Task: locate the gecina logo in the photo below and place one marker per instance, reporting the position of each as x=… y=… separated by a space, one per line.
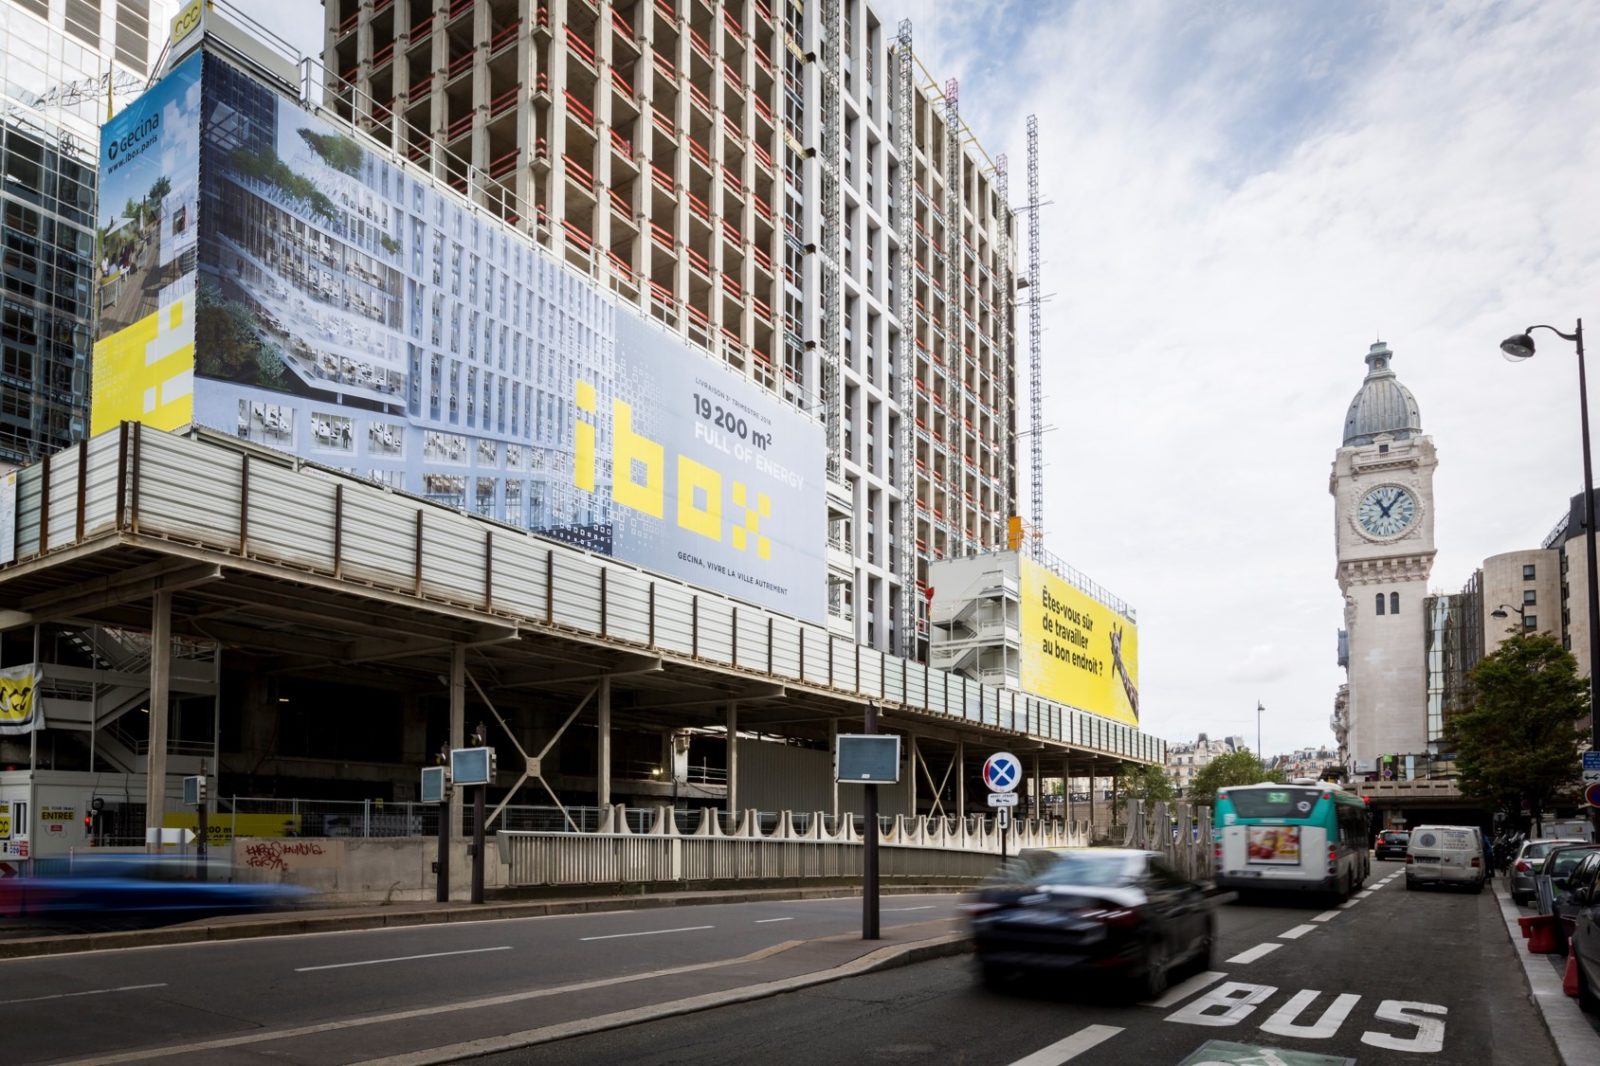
x=695 y=479
x=150 y=125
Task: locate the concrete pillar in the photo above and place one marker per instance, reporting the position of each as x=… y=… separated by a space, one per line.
x=1092 y=798
x=961 y=778
x=833 y=778
x=1038 y=789
x=732 y=805
x=602 y=770
x=458 y=722
x=413 y=731
x=914 y=764
x=155 y=781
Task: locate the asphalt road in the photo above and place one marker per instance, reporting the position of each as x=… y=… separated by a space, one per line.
x=1393 y=977
x=230 y=1001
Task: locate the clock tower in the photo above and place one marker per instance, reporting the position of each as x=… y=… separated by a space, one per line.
x=1382 y=486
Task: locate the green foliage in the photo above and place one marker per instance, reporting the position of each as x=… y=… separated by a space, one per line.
x=340 y=153
x=227 y=344
x=267 y=167
x=1516 y=736
x=1235 y=768
x=159 y=190
x=390 y=245
x=1146 y=783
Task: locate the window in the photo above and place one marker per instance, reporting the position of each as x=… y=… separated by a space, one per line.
x=1380 y=603
x=1530 y=622
x=1530 y=596
x=1394 y=603
x=1528 y=572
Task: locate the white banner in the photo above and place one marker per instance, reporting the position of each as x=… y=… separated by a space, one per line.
x=8 y=517
x=19 y=703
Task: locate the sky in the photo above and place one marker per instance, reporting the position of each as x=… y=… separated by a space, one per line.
x=1241 y=198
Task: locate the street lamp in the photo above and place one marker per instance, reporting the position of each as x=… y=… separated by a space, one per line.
x=1516 y=349
x=1503 y=611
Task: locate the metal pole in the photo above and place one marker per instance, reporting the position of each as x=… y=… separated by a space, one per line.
x=441 y=892
x=202 y=850
x=1594 y=578
x=869 y=855
x=480 y=795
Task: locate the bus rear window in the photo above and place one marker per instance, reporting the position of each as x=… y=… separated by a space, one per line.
x=1273 y=802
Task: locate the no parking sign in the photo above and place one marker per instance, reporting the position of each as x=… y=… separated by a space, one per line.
x=1002 y=772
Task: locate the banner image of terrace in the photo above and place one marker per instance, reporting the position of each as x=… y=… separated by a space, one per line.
x=146 y=238
x=351 y=312
x=1075 y=649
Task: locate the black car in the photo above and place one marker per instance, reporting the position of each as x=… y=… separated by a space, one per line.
x=1566 y=868
x=1092 y=912
x=1392 y=844
x=1582 y=902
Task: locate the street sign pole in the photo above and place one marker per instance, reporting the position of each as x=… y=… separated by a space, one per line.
x=869 y=855
x=202 y=850
x=478 y=814
x=441 y=891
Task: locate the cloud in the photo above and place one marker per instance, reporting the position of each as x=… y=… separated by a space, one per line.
x=1243 y=197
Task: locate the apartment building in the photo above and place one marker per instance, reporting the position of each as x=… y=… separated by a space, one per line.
x=1185 y=758
x=67 y=62
x=782 y=186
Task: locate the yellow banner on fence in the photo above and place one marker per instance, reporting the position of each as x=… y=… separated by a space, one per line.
x=222 y=828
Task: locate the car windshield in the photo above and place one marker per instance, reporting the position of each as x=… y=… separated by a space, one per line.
x=1397 y=838
x=1544 y=847
x=1564 y=861
x=1074 y=868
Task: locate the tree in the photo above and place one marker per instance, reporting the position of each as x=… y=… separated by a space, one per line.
x=1516 y=735
x=1235 y=768
x=1148 y=784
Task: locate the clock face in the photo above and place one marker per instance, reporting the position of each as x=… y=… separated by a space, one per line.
x=1386 y=511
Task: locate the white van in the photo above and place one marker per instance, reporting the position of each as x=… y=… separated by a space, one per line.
x=1446 y=855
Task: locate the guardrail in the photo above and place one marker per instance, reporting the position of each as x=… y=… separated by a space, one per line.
x=959 y=848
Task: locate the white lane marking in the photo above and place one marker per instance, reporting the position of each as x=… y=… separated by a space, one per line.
x=399 y=958
x=1347 y=904
x=90 y=992
x=1364 y=894
x=929 y=907
x=1326 y=916
x=1297 y=932
x=1182 y=991
x=649 y=932
x=1252 y=954
x=1071 y=1047
x=763 y=921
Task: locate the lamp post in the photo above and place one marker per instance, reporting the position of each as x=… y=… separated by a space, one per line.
x=1259 y=757
x=1516 y=349
x=1504 y=611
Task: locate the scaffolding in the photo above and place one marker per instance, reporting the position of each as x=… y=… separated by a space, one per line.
x=1035 y=345
x=830 y=47
x=954 y=290
x=905 y=357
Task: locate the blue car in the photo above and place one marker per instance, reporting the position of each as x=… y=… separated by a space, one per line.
x=140 y=884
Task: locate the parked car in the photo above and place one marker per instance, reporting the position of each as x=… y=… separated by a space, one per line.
x=1583 y=888
x=1391 y=844
x=1570 y=869
x=1446 y=855
x=1530 y=861
x=1090 y=912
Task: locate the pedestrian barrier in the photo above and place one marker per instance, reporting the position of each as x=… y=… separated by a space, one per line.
x=1180 y=831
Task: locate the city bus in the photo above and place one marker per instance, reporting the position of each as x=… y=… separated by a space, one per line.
x=1303 y=836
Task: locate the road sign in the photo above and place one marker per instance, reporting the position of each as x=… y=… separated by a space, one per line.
x=1591 y=795
x=1591 y=767
x=1002 y=772
x=194 y=791
x=867 y=759
x=434 y=785
x=1002 y=820
x=1002 y=799
x=470 y=766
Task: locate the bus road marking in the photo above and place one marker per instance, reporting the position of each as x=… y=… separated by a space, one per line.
x=1252 y=954
x=1326 y=916
x=1182 y=991
x=1297 y=932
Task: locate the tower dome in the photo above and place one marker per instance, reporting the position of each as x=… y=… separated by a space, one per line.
x=1382 y=405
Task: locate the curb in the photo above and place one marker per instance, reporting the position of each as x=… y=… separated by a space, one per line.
x=1574 y=1038
x=286 y=925
x=885 y=958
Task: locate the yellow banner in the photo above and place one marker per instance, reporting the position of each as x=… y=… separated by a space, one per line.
x=145 y=372
x=5 y=820
x=222 y=828
x=18 y=707
x=1076 y=650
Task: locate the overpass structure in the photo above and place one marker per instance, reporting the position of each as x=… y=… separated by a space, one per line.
x=249 y=568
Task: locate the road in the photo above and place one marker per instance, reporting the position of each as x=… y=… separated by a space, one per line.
x=1393 y=977
x=343 y=997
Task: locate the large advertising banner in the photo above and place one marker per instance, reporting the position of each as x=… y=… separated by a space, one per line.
x=344 y=308
x=145 y=236
x=1075 y=649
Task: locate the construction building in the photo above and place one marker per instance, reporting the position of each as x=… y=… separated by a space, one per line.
x=62 y=59
x=783 y=186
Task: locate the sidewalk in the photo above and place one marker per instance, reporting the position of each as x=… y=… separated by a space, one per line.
x=318 y=919
x=1575 y=1033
